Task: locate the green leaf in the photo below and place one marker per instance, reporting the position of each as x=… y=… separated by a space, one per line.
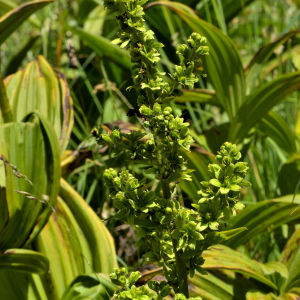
x=103 y=47
x=260 y=102
x=29 y=146
x=23 y=260
x=274 y=266
x=275 y=127
x=255 y=66
x=88 y=287
x=222 y=257
x=214 y=238
x=40 y=87
x=261 y=216
x=90 y=238
x=290 y=257
x=199 y=96
x=16 y=285
x=255 y=295
x=13 y=19
x=212 y=287
x=231 y=8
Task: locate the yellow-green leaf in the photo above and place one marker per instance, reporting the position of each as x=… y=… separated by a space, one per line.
x=33 y=148
x=40 y=87
x=13 y=19
x=23 y=260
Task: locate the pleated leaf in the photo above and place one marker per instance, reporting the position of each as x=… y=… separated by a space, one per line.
x=23 y=260
x=275 y=127
x=18 y=285
x=199 y=96
x=260 y=102
x=261 y=216
x=78 y=231
x=13 y=19
x=40 y=87
x=222 y=257
x=88 y=287
x=33 y=148
x=256 y=295
x=290 y=257
x=264 y=53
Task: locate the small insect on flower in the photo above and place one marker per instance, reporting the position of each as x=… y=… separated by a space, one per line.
x=134 y=112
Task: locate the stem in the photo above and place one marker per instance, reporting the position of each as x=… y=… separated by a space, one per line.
x=166 y=189
x=181 y=271
x=180 y=261
x=4 y=103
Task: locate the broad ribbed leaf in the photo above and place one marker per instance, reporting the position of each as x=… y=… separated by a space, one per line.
x=199 y=96
x=13 y=19
x=87 y=235
x=277 y=129
x=33 y=149
x=103 y=47
x=223 y=65
x=272 y=267
x=290 y=257
x=17 y=285
x=260 y=102
x=88 y=287
x=255 y=295
x=23 y=260
x=210 y=287
x=40 y=87
x=265 y=214
x=222 y=257
x=253 y=69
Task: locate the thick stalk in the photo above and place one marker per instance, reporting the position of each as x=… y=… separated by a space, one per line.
x=182 y=274
x=180 y=261
x=4 y=103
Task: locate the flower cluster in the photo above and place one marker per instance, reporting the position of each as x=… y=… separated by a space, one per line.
x=160 y=290
x=160 y=222
x=170 y=132
x=223 y=190
x=175 y=236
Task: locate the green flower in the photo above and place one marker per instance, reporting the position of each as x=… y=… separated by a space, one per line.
x=210 y=213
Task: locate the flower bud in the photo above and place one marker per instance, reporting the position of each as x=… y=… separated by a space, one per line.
x=156 y=109
x=184 y=50
x=116 y=135
x=146 y=111
x=167 y=111
x=123 y=271
x=110 y=174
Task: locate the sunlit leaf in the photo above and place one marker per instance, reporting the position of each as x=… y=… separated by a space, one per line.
x=13 y=19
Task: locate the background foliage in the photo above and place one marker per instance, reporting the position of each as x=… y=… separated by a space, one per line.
x=63 y=77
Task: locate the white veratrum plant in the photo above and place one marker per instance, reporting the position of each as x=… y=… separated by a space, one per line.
x=176 y=237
